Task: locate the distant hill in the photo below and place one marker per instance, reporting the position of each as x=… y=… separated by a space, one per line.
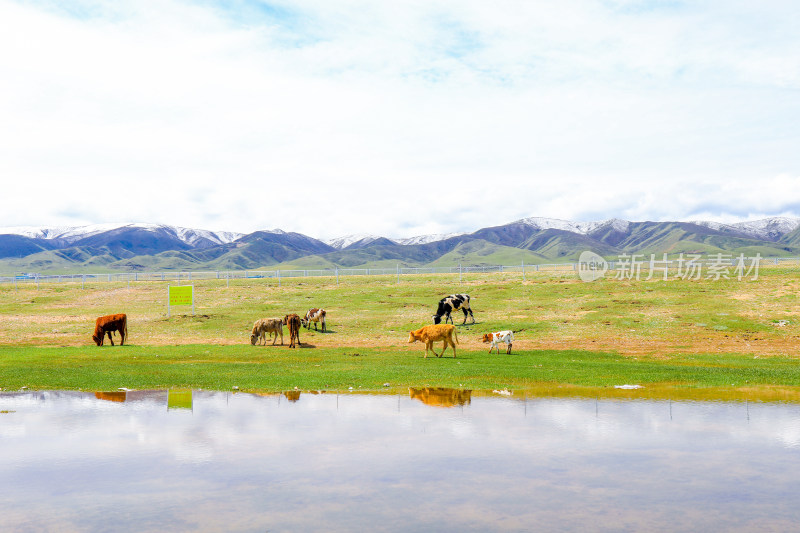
x=153 y=247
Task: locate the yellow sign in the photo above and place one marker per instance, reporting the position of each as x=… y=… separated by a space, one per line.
x=181 y=295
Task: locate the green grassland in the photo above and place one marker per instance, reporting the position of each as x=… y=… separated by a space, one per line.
x=718 y=338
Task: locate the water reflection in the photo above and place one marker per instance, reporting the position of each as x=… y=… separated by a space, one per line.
x=292 y=395
x=75 y=461
x=441 y=397
x=111 y=396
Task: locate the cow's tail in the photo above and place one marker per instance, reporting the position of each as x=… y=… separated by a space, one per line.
x=455 y=334
x=125 y=325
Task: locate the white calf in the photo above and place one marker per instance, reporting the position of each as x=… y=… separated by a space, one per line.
x=506 y=336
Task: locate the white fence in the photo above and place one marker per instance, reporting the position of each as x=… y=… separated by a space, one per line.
x=278 y=275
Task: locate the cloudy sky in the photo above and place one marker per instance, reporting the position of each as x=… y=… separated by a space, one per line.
x=334 y=117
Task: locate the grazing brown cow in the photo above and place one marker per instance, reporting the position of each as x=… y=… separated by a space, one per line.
x=109 y=324
x=264 y=326
x=293 y=321
x=433 y=333
x=314 y=315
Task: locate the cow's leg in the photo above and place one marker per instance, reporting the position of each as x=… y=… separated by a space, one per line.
x=121 y=337
x=323 y=326
x=466 y=314
x=429 y=346
x=110 y=337
x=509 y=348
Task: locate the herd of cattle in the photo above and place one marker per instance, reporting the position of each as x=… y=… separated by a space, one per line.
x=265 y=329
x=274 y=326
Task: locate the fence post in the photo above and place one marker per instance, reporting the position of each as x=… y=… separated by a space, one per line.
x=523 y=270
x=459 y=272
x=337 y=275
x=279 y=278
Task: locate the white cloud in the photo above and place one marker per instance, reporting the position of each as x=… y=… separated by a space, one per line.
x=339 y=117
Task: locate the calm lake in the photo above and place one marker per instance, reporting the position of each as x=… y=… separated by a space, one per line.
x=425 y=460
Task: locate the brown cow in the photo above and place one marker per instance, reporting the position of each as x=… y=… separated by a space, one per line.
x=293 y=321
x=109 y=324
x=433 y=333
x=264 y=326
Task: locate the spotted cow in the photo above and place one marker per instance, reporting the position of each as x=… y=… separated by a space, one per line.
x=451 y=303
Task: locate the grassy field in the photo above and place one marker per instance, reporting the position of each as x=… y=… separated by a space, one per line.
x=726 y=338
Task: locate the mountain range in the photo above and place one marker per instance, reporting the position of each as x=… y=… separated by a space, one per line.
x=154 y=247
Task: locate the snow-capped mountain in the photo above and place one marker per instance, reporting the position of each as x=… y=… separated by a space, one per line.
x=768 y=228
x=70 y=234
x=425 y=239
x=121 y=244
x=364 y=239
x=583 y=228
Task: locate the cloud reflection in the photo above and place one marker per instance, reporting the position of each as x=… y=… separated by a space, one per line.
x=385 y=462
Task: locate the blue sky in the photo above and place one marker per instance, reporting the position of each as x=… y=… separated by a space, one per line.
x=397 y=118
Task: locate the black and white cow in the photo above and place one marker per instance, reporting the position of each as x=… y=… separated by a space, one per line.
x=451 y=303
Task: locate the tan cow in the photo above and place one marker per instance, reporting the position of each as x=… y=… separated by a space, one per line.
x=105 y=325
x=262 y=326
x=433 y=333
x=293 y=321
